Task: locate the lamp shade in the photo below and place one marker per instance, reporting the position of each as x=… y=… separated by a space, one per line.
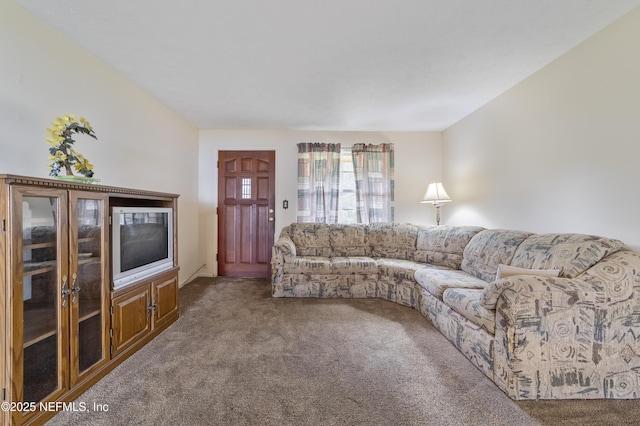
x=435 y=194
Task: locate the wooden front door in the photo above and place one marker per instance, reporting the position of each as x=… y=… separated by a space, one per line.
x=246 y=218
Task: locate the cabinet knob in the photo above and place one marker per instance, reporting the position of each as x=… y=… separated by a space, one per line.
x=75 y=288
x=65 y=291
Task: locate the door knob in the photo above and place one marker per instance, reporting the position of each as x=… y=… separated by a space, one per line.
x=271 y=219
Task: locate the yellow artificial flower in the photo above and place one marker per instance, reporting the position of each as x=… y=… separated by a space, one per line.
x=83 y=164
x=61 y=141
x=57 y=128
x=85 y=123
x=55 y=140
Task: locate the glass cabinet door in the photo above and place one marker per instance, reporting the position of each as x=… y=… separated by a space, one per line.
x=39 y=304
x=88 y=274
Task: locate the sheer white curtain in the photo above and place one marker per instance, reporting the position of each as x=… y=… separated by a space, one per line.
x=318 y=182
x=373 y=171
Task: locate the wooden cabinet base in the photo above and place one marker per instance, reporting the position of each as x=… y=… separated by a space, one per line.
x=141 y=308
x=131 y=332
x=41 y=417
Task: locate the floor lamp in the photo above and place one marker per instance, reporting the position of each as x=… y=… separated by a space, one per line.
x=436 y=195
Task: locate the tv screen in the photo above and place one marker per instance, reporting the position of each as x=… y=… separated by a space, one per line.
x=142 y=240
x=143 y=243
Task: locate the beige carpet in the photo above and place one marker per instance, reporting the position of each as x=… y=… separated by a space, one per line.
x=239 y=357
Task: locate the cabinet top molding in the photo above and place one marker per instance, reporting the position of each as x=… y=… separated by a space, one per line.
x=55 y=183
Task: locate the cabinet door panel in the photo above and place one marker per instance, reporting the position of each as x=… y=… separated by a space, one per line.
x=89 y=274
x=165 y=296
x=39 y=263
x=131 y=318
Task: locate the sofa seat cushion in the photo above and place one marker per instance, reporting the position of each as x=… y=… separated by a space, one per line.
x=466 y=302
x=399 y=268
x=436 y=281
x=349 y=240
x=308 y=264
x=572 y=254
x=489 y=248
x=311 y=239
x=393 y=240
x=443 y=245
x=354 y=265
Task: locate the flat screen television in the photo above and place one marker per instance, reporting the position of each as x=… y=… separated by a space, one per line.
x=141 y=241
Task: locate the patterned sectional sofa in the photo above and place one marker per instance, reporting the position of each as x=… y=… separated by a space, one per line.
x=572 y=336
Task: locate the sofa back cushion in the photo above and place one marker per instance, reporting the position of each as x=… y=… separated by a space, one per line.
x=349 y=240
x=488 y=249
x=443 y=245
x=285 y=232
x=311 y=239
x=393 y=240
x=572 y=254
x=618 y=275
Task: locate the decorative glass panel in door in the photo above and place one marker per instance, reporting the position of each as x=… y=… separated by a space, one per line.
x=39 y=295
x=88 y=275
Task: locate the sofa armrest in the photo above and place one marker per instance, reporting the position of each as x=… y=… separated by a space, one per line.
x=283 y=250
x=565 y=308
x=561 y=337
x=569 y=290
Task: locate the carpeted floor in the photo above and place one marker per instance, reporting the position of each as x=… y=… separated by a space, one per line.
x=239 y=357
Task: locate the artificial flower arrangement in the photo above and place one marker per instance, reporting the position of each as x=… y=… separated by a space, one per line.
x=61 y=152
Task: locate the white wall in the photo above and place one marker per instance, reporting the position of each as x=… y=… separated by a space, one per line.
x=141 y=143
x=418 y=161
x=559 y=152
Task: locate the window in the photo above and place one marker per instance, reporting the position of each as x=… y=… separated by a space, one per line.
x=345 y=185
x=246 y=188
x=347 y=201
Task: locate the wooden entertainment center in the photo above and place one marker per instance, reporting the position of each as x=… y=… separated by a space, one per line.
x=62 y=325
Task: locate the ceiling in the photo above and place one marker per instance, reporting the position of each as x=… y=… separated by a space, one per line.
x=365 y=65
